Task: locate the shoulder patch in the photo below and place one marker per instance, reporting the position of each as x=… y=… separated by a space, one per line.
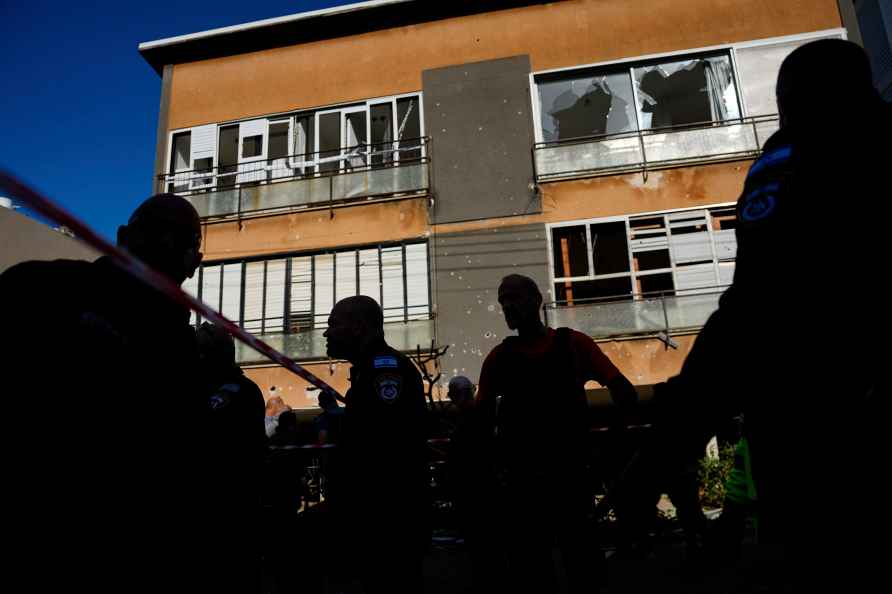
x=388 y=386
x=386 y=362
x=759 y=203
x=223 y=396
x=771 y=159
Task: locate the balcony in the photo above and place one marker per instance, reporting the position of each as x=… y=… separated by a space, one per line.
x=647 y=150
x=643 y=315
x=307 y=180
x=310 y=344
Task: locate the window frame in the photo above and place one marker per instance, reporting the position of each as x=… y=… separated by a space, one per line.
x=313 y=113
x=692 y=53
x=314 y=314
x=632 y=274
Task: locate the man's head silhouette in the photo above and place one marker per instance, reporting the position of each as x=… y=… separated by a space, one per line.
x=520 y=299
x=165 y=233
x=828 y=76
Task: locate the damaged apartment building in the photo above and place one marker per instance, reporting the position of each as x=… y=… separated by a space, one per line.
x=417 y=152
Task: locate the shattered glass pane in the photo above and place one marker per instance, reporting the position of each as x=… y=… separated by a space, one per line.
x=586 y=105
x=382 y=133
x=408 y=132
x=686 y=92
x=569 y=250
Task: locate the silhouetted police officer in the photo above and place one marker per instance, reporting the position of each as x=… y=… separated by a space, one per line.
x=379 y=489
x=115 y=501
x=794 y=343
x=235 y=441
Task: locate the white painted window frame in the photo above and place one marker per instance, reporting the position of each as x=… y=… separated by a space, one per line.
x=632 y=274
x=313 y=112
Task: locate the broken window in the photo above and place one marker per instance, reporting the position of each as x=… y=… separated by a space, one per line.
x=686 y=92
x=382 y=133
x=408 y=132
x=682 y=250
x=654 y=283
x=304 y=139
x=586 y=105
x=597 y=101
x=569 y=251
x=610 y=249
x=602 y=290
x=356 y=139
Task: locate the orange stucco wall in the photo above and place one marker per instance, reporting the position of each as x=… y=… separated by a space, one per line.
x=625 y=194
x=318 y=229
x=554 y=35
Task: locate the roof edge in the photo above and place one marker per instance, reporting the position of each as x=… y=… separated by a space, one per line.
x=322 y=12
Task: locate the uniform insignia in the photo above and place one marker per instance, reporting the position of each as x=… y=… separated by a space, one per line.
x=388 y=386
x=385 y=362
x=770 y=159
x=759 y=203
x=221 y=398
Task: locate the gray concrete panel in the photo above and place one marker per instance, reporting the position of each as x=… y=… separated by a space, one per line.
x=479 y=119
x=26 y=239
x=468 y=269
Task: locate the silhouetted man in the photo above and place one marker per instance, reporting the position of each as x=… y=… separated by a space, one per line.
x=236 y=443
x=543 y=423
x=794 y=343
x=114 y=504
x=379 y=490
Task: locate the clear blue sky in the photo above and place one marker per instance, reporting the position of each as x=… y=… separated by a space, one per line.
x=80 y=105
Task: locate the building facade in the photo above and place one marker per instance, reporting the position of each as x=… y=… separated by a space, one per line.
x=417 y=153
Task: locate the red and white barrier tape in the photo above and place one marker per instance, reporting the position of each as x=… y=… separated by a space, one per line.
x=15 y=189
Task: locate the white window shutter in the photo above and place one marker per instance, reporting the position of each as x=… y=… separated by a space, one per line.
x=392 y=278
x=417 y=281
x=345 y=271
x=252 y=169
x=275 y=296
x=253 y=296
x=204 y=142
x=232 y=292
x=324 y=290
x=369 y=282
x=204 y=146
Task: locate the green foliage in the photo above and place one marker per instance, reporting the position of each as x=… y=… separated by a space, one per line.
x=713 y=475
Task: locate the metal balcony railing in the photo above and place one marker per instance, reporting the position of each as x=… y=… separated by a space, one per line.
x=647 y=314
x=310 y=344
x=657 y=148
x=311 y=179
